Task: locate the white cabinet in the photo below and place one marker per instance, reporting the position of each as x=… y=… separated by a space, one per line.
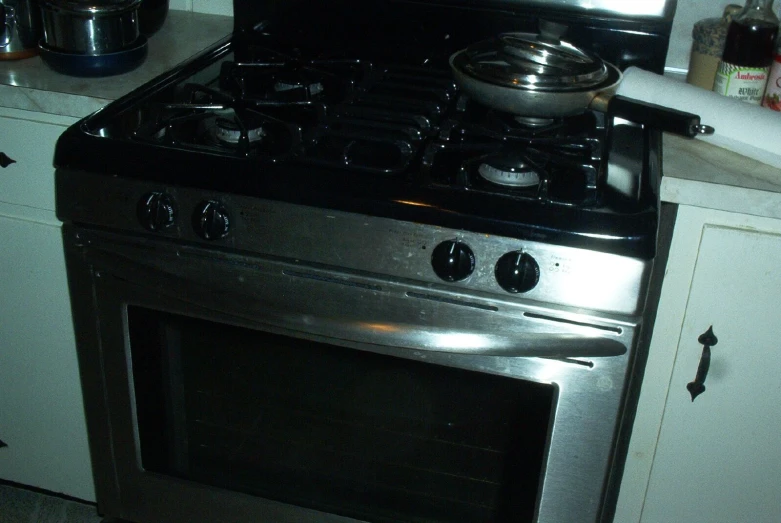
x=28 y=139
x=716 y=459
x=41 y=411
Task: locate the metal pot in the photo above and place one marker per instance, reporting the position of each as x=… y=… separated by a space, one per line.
x=540 y=77
x=20 y=29
x=95 y=27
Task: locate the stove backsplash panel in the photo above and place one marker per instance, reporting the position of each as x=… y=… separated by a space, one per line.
x=431 y=31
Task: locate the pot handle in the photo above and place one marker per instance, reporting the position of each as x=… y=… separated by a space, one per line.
x=657 y=116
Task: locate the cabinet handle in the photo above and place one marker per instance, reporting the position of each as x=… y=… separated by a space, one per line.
x=708 y=340
x=5 y=161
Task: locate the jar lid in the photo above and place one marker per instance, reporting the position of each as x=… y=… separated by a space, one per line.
x=93 y=7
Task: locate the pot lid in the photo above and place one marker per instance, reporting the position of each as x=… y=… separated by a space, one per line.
x=531 y=61
x=93 y=7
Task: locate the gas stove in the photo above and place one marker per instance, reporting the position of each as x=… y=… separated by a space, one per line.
x=370 y=122
x=315 y=281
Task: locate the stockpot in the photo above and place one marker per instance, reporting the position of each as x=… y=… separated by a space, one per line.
x=96 y=27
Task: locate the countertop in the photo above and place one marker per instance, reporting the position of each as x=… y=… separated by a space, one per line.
x=703 y=175
x=30 y=85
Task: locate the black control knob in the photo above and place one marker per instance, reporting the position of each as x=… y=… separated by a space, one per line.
x=211 y=220
x=453 y=260
x=156 y=211
x=517 y=272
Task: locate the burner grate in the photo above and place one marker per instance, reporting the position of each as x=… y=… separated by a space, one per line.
x=212 y=121
x=353 y=116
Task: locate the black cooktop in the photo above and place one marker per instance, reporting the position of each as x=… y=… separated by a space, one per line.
x=372 y=122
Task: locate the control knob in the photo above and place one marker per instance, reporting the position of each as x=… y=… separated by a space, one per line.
x=155 y=211
x=453 y=260
x=211 y=220
x=517 y=272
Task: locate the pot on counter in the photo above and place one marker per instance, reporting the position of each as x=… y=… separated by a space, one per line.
x=20 y=29
x=539 y=77
x=97 y=27
x=93 y=37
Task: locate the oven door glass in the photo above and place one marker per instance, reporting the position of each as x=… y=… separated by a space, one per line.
x=341 y=430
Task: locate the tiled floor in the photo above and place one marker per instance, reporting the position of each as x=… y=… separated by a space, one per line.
x=24 y=506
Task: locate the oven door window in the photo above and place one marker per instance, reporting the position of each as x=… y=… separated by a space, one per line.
x=341 y=430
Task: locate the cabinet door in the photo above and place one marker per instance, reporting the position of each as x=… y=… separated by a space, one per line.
x=718 y=458
x=41 y=412
x=28 y=139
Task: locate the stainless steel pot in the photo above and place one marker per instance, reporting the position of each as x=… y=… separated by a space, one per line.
x=20 y=29
x=525 y=75
x=93 y=27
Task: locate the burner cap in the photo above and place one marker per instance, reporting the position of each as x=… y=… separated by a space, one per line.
x=300 y=85
x=228 y=132
x=509 y=171
x=533 y=122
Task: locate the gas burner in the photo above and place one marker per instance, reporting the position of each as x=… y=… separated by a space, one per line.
x=228 y=131
x=533 y=122
x=299 y=89
x=238 y=131
x=509 y=170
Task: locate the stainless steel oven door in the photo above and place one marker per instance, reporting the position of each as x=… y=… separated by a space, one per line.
x=229 y=387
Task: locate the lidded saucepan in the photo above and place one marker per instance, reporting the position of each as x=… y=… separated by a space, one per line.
x=541 y=76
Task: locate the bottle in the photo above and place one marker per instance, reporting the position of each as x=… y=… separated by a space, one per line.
x=708 y=37
x=748 y=52
x=772 y=98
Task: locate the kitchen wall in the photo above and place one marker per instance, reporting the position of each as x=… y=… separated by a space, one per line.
x=214 y=7
x=689 y=12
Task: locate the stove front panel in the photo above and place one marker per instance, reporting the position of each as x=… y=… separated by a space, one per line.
x=233 y=387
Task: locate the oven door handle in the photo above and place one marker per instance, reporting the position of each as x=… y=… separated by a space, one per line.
x=516 y=345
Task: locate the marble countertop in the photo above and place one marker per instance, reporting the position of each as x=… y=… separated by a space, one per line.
x=31 y=85
x=704 y=175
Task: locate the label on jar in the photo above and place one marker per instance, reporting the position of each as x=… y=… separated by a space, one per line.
x=744 y=83
x=772 y=98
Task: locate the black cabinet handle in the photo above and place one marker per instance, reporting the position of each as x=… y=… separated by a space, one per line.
x=707 y=339
x=5 y=161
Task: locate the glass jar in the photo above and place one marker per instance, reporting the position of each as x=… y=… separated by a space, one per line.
x=748 y=52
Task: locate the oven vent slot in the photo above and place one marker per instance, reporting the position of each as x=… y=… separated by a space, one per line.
x=432 y=297
x=328 y=279
x=616 y=330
